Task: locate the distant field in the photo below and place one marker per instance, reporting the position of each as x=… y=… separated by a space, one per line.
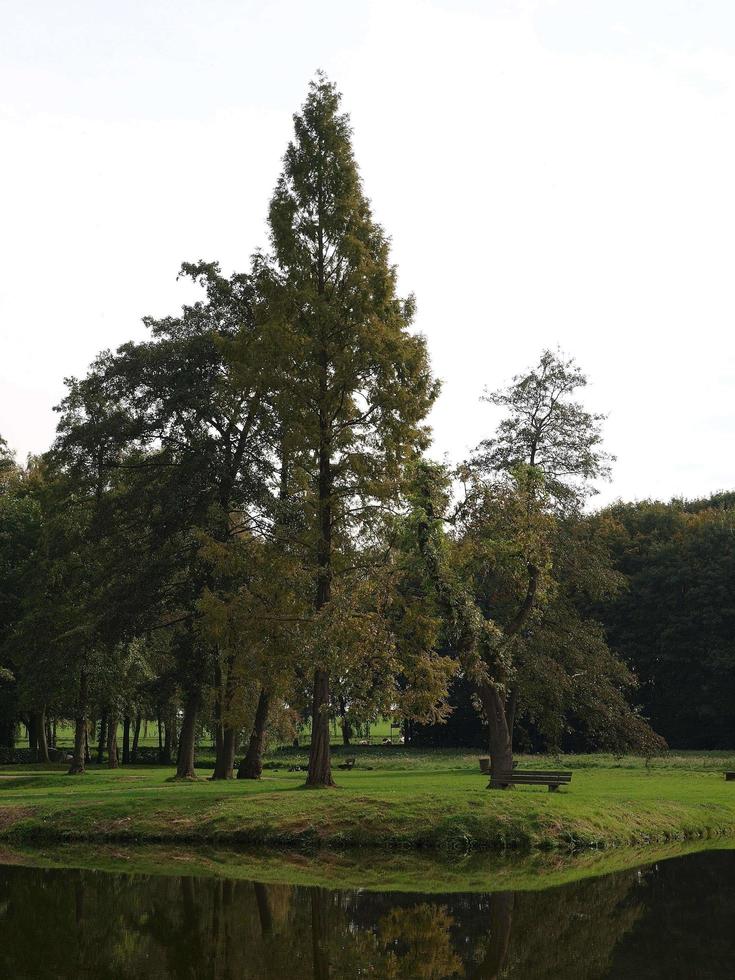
x=149 y=735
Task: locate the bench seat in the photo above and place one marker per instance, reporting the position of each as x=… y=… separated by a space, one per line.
x=553 y=778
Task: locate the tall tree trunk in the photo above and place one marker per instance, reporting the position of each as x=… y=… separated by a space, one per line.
x=185 y=765
x=103 y=735
x=320 y=763
x=112 y=759
x=53 y=733
x=501 y=747
x=126 y=741
x=40 y=726
x=80 y=730
x=87 y=753
x=320 y=767
x=220 y=763
x=136 y=738
x=251 y=766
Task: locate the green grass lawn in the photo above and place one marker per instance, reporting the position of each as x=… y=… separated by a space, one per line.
x=409 y=798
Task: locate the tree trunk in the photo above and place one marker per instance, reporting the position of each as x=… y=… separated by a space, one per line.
x=320 y=766
x=40 y=726
x=185 y=765
x=320 y=769
x=344 y=722
x=160 y=735
x=166 y=756
x=251 y=766
x=80 y=730
x=126 y=741
x=136 y=738
x=501 y=747
x=112 y=759
x=87 y=753
x=320 y=932
x=264 y=909
x=496 y=950
x=103 y=733
x=220 y=762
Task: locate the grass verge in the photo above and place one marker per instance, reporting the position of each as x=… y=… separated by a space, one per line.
x=406 y=800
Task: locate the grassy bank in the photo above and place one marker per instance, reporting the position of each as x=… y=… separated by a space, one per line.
x=439 y=872
x=406 y=800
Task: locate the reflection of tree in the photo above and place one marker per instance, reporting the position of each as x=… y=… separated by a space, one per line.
x=570 y=931
x=500 y=925
x=80 y=923
x=419 y=944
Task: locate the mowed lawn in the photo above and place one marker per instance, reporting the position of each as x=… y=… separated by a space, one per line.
x=407 y=799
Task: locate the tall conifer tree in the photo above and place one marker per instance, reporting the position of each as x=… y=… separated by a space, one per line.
x=358 y=384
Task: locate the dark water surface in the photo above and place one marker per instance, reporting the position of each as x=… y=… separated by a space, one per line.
x=674 y=919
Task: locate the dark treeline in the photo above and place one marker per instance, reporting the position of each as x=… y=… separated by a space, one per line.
x=675 y=620
x=238 y=529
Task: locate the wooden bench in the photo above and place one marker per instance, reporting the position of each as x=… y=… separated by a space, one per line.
x=552 y=778
x=730 y=776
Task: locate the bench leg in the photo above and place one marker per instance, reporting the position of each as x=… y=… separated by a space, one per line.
x=553 y=787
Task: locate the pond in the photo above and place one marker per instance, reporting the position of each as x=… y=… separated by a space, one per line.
x=674 y=918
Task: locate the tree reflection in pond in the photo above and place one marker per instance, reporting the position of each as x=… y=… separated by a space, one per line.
x=631 y=924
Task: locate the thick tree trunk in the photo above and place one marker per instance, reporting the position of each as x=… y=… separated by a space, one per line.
x=112 y=759
x=185 y=765
x=126 y=741
x=320 y=764
x=102 y=738
x=501 y=746
x=224 y=763
x=251 y=766
x=87 y=753
x=80 y=730
x=136 y=738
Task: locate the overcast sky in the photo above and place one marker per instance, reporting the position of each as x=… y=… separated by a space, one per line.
x=551 y=174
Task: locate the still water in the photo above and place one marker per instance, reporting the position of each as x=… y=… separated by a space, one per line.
x=673 y=919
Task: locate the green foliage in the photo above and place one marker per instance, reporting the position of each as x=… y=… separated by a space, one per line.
x=675 y=621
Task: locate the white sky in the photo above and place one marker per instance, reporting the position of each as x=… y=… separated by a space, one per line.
x=551 y=173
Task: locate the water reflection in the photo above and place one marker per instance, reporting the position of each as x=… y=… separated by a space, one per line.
x=673 y=920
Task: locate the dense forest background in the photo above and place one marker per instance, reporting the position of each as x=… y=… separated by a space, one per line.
x=673 y=623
